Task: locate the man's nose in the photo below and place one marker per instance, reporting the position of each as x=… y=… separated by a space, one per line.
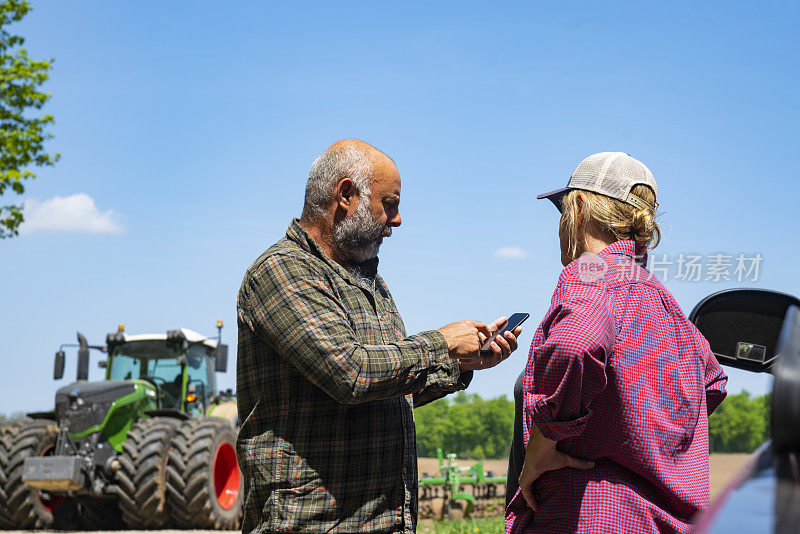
x=395 y=220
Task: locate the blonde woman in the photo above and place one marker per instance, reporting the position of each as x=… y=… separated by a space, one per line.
x=619 y=384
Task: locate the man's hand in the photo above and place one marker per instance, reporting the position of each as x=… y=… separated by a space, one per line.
x=542 y=456
x=464 y=338
x=501 y=347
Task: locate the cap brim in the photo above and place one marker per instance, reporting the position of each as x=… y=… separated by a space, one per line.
x=555 y=196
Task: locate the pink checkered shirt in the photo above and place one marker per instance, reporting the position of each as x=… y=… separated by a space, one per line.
x=618 y=375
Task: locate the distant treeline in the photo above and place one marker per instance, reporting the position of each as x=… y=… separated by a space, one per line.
x=466 y=425
x=739 y=424
x=476 y=428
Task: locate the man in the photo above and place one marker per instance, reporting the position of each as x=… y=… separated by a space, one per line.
x=327 y=377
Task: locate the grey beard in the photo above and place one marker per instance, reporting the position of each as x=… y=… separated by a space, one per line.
x=357 y=238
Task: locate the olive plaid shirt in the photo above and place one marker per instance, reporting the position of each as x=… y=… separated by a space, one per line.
x=326 y=383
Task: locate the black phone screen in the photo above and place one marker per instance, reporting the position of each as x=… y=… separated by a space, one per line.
x=513 y=322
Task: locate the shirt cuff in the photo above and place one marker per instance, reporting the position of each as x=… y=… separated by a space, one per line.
x=438 y=357
x=435 y=345
x=542 y=417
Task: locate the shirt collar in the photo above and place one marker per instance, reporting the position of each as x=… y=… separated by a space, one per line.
x=628 y=248
x=298 y=235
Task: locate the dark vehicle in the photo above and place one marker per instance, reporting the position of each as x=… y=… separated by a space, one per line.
x=759 y=331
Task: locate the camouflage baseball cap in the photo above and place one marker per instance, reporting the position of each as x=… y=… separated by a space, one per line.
x=612 y=174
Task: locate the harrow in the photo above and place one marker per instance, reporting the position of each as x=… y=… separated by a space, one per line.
x=460 y=491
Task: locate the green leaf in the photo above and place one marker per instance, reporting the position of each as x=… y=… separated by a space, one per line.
x=22 y=133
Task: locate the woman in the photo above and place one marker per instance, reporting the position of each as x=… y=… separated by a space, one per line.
x=619 y=384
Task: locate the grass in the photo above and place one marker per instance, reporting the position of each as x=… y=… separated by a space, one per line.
x=481 y=525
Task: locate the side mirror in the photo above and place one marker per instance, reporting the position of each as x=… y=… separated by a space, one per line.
x=221 y=358
x=83 y=358
x=743 y=326
x=58 y=368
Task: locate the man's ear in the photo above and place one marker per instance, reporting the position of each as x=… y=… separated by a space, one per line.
x=344 y=193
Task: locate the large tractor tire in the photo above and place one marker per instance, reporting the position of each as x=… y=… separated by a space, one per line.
x=205 y=488
x=28 y=507
x=5 y=450
x=142 y=476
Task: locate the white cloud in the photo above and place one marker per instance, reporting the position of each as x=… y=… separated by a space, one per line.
x=510 y=253
x=74 y=213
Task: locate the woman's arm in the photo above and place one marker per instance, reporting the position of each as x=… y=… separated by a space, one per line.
x=566 y=370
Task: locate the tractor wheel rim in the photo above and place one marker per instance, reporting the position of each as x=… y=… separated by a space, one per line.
x=226 y=476
x=50 y=501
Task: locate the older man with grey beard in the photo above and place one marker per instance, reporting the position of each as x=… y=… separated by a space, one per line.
x=327 y=376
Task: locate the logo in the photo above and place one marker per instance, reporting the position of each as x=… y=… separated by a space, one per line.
x=591 y=267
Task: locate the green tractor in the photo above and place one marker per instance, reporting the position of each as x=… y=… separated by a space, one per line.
x=152 y=446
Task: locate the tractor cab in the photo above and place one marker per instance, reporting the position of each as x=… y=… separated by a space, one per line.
x=180 y=365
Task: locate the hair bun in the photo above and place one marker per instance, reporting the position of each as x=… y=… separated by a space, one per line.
x=643 y=225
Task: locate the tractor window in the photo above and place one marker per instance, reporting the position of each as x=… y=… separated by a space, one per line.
x=130 y=360
x=153 y=361
x=167 y=369
x=125 y=367
x=168 y=375
x=200 y=377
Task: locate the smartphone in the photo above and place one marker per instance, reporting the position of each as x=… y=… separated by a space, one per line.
x=512 y=322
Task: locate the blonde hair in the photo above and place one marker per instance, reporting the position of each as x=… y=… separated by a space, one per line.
x=612 y=218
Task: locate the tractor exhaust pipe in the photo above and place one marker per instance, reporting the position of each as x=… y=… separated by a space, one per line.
x=83 y=358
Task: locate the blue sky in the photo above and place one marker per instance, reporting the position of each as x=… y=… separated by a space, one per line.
x=187 y=129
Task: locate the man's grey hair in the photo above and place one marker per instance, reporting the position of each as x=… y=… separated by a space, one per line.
x=331 y=168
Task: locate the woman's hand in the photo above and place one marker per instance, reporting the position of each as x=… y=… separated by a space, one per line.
x=542 y=456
